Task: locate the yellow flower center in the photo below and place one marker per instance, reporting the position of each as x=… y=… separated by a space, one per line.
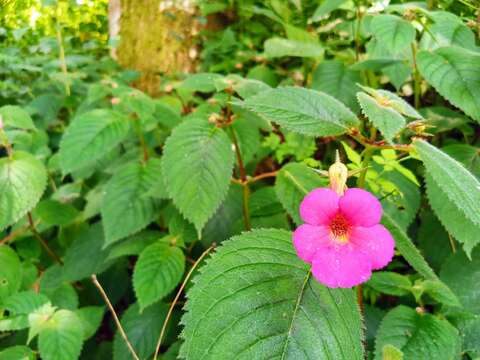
x=339 y=228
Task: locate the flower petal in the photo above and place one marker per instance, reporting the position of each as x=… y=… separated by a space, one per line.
x=374 y=241
x=307 y=239
x=341 y=266
x=360 y=207
x=319 y=206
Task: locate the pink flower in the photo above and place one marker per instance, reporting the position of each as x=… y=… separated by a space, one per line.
x=342 y=237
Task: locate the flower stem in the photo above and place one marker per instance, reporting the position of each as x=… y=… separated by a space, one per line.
x=416 y=77
x=175 y=300
x=366 y=160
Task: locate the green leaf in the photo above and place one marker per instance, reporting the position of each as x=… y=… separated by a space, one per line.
x=325 y=8
x=302 y=110
x=256 y=299
x=55 y=213
x=390 y=352
x=392 y=32
x=90 y=136
x=440 y=292
x=458 y=186
x=90 y=318
x=158 y=271
x=278 y=47
x=455 y=73
x=202 y=82
x=462 y=276
x=10 y=272
x=15 y=117
x=452 y=218
x=17 y=353
x=25 y=302
x=418 y=336
x=293 y=182
x=22 y=179
x=197 y=165
x=62 y=337
x=127 y=208
x=390 y=283
x=468 y=155
x=335 y=79
x=142 y=330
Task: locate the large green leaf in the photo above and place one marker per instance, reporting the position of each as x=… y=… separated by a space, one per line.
x=468 y=155
x=334 y=78
x=278 y=47
x=18 y=352
x=392 y=32
x=142 y=330
x=256 y=299
x=22 y=181
x=456 y=183
x=418 y=336
x=302 y=110
x=293 y=182
x=197 y=167
x=15 y=117
x=463 y=276
x=158 y=271
x=127 y=207
x=10 y=272
x=90 y=136
x=455 y=73
x=61 y=338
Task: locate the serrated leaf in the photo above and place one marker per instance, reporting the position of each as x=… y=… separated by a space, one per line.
x=134 y=244
x=458 y=185
x=468 y=155
x=22 y=179
x=197 y=166
x=127 y=208
x=384 y=118
x=335 y=79
x=90 y=318
x=455 y=73
x=278 y=47
x=392 y=32
x=294 y=181
x=452 y=218
x=62 y=337
x=418 y=336
x=305 y=111
x=55 y=213
x=256 y=299
x=10 y=272
x=390 y=283
x=90 y=136
x=158 y=271
x=25 y=302
x=142 y=330
x=462 y=276
x=440 y=292
x=15 y=117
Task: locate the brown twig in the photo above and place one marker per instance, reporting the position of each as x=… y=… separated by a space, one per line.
x=355 y=134
x=41 y=240
x=175 y=300
x=114 y=314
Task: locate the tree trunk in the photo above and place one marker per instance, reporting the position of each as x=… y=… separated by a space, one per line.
x=156 y=37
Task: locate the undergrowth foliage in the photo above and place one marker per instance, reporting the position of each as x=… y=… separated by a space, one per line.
x=135 y=227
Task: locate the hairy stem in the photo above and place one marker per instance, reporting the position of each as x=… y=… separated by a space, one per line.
x=175 y=300
x=114 y=314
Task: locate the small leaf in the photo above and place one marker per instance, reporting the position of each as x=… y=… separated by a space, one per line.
x=90 y=136
x=256 y=299
x=17 y=353
x=278 y=47
x=62 y=337
x=22 y=179
x=158 y=271
x=294 y=181
x=127 y=207
x=10 y=272
x=25 y=302
x=197 y=166
x=390 y=352
x=390 y=283
x=418 y=336
x=202 y=82
x=302 y=110
x=392 y=32
x=15 y=117
x=90 y=318
x=458 y=185
x=55 y=213
x=455 y=73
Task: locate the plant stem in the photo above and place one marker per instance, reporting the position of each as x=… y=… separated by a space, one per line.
x=141 y=138
x=42 y=241
x=243 y=178
x=175 y=300
x=63 y=62
x=360 y=297
x=357 y=31
x=354 y=134
x=416 y=78
x=114 y=314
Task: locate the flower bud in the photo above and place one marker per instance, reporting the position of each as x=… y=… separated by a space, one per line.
x=338 y=174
